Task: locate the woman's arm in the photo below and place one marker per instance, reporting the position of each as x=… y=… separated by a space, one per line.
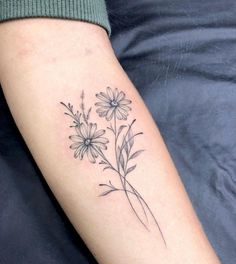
x=118 y=185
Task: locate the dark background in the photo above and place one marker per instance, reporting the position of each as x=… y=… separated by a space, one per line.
x=181 y=55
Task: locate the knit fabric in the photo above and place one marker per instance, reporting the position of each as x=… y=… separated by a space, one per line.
x=93 y=11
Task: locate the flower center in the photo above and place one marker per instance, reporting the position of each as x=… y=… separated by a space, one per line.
x=87 y=141
x=114 y=103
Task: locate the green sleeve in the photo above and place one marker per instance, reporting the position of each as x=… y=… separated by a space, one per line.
x=93 y=11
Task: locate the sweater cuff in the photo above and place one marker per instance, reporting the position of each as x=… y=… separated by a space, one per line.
x=93 y=11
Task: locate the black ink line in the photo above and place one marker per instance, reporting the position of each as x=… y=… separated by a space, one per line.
x=89 y=141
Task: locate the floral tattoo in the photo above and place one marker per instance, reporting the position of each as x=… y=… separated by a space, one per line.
x=90 y=143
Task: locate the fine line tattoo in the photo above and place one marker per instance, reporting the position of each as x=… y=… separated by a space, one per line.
x=91 y=142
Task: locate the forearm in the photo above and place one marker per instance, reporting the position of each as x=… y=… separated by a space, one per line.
x=143 y=216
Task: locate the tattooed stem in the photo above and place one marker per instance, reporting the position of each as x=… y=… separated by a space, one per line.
x=122 y=179
x=116 y=137
x=74 y=116
x=123 y=182
x=124 y=144
x=146 y=205
x=89 y=141
x=137 y=195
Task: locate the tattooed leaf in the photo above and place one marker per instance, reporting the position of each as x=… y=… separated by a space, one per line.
x=88 y=114
x=74 y=116
x=106 y=192
x=126 y=147
x=111 y=185
x=111 y=128
x=131 y=169
x=122 y=161
x=85 y=119
x=81 y=106
x=82 y=95
x=120 y=129
x=102 y=162
x=131 y=138
x=109 y=167
x=119 y=149
x=136 y=154
x=102 y=184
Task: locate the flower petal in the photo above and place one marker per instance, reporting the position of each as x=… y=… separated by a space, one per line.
x=76 y=138
x=125 y=102
x=100 y=140
x=76 y=153
x=92 y=130
x=98 y=133
x=103 y=104
x=110 y=93
x=116 y=93
x=102 y=114
x=83 y=130
x=123 y=112
x=110 y=113
x=94 y=151
x=103 y=97
x=99 y=145
x=102 y=109
x=90 y=155
x=119 y=114
x=124 y=108
x=120 y=96
x=78 y=150
x=77 y=129
x=76 y=145
x=82 y=152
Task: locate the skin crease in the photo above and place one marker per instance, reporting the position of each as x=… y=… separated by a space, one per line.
x=46 y=61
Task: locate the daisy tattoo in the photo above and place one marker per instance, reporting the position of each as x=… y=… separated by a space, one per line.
x=113 y=105
x=91 y=143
